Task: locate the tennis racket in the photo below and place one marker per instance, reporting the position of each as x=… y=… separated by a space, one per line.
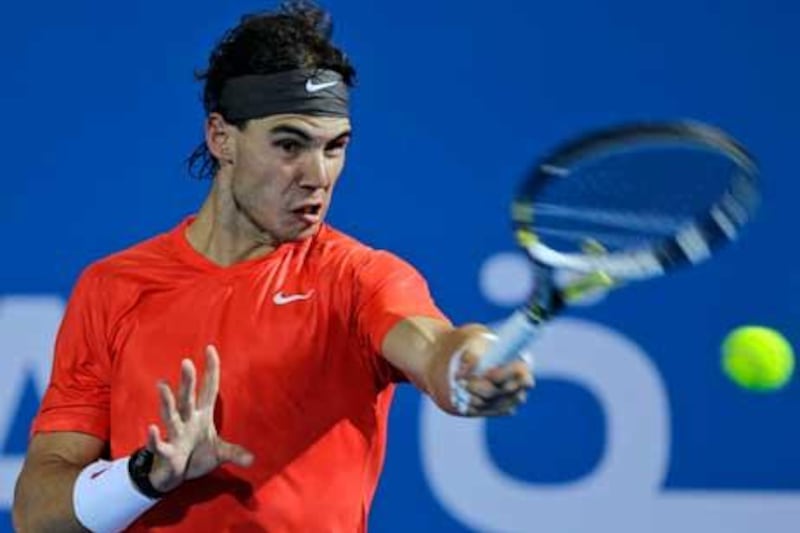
x=622 y=204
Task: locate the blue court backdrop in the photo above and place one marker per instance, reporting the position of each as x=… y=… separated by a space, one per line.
x=632 y=428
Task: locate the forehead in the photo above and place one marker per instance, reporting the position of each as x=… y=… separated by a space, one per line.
x=320 y=127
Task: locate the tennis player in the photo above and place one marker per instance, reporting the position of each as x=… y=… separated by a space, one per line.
x=235 y=373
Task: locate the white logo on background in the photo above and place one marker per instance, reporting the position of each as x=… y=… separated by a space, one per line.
x=316 y=87
x=28 y=326
x=283 y=299
x=624 y=492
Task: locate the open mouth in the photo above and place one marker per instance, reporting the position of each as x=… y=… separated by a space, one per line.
x=310 y=213
x=309 y=210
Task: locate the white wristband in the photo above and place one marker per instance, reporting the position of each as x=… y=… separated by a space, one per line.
x=105 y=499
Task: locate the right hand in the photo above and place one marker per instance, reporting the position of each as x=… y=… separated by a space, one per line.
x=497 y=391
x=192 y=448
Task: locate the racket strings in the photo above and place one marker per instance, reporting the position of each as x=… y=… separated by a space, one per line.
x=628 y=199
x=577 y=238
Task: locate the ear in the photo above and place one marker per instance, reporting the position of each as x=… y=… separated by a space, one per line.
x=220 y=139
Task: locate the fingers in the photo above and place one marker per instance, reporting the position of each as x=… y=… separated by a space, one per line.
x=500 y=381
x=517 y=372
x=154 y=442
x=191 y=447
x=477 y=342
x=466 y=365
x=177 y=413
x=499 y=391
x=233 y=453
x=186 y=391
x=482 y=388
x=210 y=388
x=501 y=406
x=494 y=412
x=169 y=413
x=153 y=438
x=515 y=397
x=173 y=412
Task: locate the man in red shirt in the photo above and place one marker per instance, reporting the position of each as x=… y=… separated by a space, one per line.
x=298 y=332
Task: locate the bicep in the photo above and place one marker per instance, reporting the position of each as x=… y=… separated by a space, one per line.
x=70 y=447
x=57 y=452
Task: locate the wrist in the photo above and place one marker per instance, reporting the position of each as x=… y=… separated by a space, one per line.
x=162 y=476
x=458 y=370
x=456 y=350
x=145 y=476
x=105 y=499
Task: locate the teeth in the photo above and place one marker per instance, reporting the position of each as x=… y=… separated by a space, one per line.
x=308 y=210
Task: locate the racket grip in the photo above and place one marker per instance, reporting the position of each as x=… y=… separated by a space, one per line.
x=513 y=336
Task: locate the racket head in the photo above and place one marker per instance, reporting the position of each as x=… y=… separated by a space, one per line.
x=635 y=200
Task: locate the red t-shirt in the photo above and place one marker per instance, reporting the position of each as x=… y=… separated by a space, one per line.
x=303 y=384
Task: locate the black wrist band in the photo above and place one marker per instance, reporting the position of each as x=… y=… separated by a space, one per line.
x=139 y=466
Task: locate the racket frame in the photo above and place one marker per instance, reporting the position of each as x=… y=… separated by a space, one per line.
x=690 y=245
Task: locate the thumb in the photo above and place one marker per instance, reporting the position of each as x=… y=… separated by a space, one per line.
x=474 y=340
x=233 y=453
x=466 y=360
x=475 y=348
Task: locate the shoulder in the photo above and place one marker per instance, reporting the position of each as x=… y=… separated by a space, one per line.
x=359 y=270
x=335 y=250
x=127 y=271
x=331 y=243
x=135 y=258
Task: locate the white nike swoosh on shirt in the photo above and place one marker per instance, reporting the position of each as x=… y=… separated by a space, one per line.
x=283 y=299
x=316 y=87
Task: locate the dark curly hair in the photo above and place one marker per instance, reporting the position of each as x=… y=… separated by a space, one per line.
x=296 y=35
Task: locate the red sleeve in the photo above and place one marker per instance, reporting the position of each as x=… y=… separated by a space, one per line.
x=388 y=290
x=77 y=398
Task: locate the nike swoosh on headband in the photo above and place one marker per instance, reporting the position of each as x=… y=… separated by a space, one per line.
x=316 y=87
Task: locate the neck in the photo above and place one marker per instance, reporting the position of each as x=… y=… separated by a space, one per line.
x=222 y=233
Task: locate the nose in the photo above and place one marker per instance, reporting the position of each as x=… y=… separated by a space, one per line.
x=317 y=173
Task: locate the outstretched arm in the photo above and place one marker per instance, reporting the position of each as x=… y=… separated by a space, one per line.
x=438 y=358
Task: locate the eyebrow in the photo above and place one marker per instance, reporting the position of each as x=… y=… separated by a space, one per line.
x=292 y=130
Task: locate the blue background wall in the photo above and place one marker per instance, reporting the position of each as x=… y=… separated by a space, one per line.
x=454 y=99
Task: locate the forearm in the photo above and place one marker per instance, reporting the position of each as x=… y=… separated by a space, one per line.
x=43 y=497
x=441 y=360
x=423 y=350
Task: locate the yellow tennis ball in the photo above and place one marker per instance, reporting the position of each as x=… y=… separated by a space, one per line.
x=757 y=358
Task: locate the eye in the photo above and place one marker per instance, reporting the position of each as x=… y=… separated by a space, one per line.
x=336 y=147
x=289 y=146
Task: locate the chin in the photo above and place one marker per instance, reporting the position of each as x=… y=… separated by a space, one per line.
x=301 y=235
x=308 y=232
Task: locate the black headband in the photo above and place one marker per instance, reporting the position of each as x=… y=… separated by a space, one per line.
x=314 y=92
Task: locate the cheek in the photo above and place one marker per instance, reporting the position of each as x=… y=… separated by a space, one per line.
x=265 y=197
x=257 y=177
x=335 y=169
x=259 y=193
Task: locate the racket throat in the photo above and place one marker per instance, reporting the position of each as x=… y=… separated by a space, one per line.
x=547 y=300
